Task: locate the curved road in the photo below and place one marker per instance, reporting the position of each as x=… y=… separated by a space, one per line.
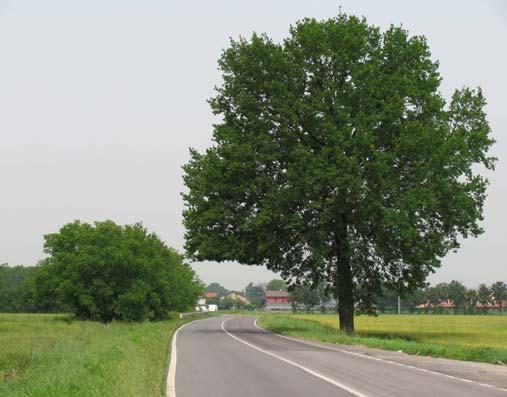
x=231 y=356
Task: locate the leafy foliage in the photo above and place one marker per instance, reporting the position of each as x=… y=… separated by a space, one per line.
x=255 y=293
x=471 y=300
x=306 y=296
x=14 y=289
x=311 y=296
x=276 y=285
x=484 y=296
x=105 y=271
x=499 y=291
x=338 y=160
x=218 y=288
x=456 y=292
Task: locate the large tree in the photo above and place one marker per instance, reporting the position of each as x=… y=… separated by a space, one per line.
x=337 y=159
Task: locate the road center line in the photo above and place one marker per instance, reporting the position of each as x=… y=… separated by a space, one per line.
x=378 y=359
x=306 y=369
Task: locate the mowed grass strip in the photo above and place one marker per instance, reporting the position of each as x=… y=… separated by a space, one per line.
x=51 y=355
x=470 y=338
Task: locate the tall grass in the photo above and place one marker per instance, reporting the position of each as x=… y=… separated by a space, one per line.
x=52 y=355
x=471 y=338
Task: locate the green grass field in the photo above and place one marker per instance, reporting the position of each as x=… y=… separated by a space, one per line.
x=471 y=338
x=51 y=355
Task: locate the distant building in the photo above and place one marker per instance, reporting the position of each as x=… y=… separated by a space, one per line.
x=277 y=300
x=202 y=304
x=235 y=296
x=210 y=295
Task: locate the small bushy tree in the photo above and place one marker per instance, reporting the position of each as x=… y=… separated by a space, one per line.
x=105 y=272
x=434 y=295
x=471 y=300
x=15 y=289
x=255 y=294
x=456 y=292
x=305 y=295
x=218 y=288
x=484 y=296
x=499 y=290
x=276 y=285
x=414 y=299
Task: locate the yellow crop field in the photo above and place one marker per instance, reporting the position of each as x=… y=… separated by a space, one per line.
x=469 y=331
x=471 y=338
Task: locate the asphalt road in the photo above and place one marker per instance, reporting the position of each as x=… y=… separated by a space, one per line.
x=231 y=356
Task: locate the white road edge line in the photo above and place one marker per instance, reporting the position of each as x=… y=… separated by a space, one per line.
x=171 y=373
x=306 y=369
x=379 y=359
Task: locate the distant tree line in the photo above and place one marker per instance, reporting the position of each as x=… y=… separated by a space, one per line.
x=447 y=297
x=451 y=297
x=103 y=272
x=303 y=296
x=254 y=293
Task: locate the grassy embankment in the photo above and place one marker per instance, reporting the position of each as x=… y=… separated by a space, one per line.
x=51 y=355
x=470 y=338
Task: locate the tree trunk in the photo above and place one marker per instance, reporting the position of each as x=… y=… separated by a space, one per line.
x=346 y=307
x=343 y=282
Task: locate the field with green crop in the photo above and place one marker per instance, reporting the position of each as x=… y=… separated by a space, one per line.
x=472 y=338
x=52 y=355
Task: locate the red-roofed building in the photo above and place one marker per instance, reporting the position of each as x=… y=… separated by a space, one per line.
x=210 y=294
x=277 y=300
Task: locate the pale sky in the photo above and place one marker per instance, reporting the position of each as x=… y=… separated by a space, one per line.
x=101 y=99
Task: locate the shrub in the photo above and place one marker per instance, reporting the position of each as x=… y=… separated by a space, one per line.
x=110 y=272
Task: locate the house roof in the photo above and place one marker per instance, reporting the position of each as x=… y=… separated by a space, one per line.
x=210 y=294
x=235 y=293
x=277 y=294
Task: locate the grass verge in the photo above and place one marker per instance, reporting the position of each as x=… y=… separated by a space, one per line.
x=436 y=336
x=52 y=355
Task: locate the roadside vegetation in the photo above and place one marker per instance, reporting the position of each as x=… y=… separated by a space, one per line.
x=470 y=338
x=54 y=355
x=125 y=282
x=102 y=272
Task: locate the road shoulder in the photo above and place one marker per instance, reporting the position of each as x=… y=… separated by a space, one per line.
x=483 y=373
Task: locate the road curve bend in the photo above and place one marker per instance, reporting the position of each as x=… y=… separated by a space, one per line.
x=230 y=356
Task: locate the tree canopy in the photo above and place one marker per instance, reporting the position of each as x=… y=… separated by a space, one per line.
x=104 y=271
x=276 y=285
x=255 y=293
x=338 y=160
x=15 y=288
x=499 y=291
x=218 y=288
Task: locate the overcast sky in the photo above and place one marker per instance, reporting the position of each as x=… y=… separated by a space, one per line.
x=100 y=100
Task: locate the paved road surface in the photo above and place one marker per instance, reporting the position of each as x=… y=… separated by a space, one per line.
x=230 y=356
